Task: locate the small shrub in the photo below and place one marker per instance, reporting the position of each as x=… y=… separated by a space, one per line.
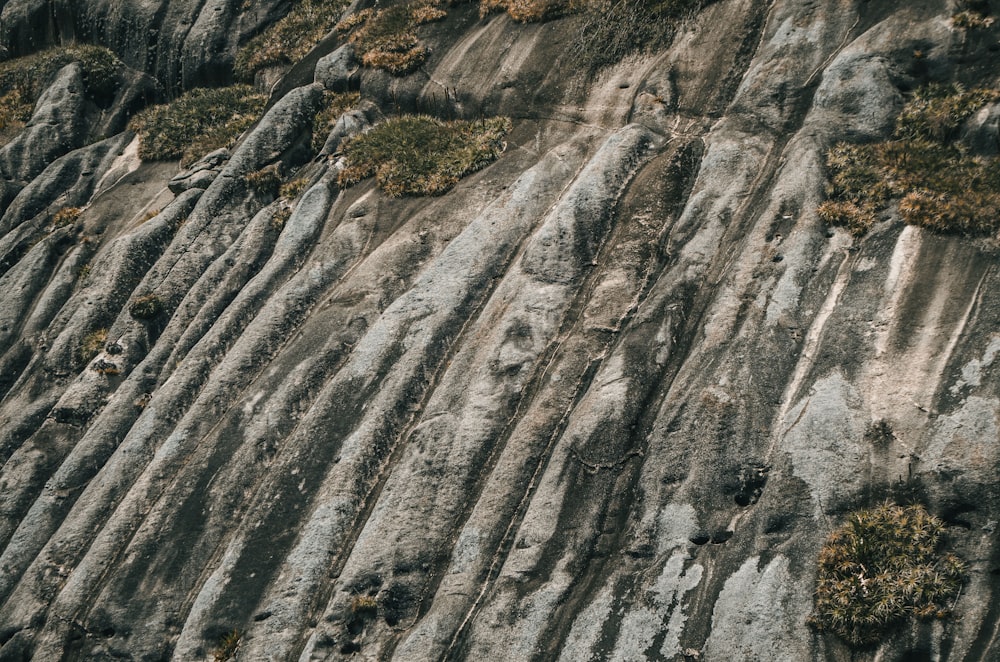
x=146 y=307
x=23 y=79
x=971 y=20
x=196 y=123
x=228 y=644
x=105 y=368
x=334 y=105
x=92 y=344
x=288 y=40
x=421 y=155
x=880 y=568
x=528 y=11
x=267 y=180
x=937 y=184
x=364 y=605
x=291 y=190
x=281 y=216
x=386 y=38
x=66 y=216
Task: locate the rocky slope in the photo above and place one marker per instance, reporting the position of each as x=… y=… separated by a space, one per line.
x=604 y=400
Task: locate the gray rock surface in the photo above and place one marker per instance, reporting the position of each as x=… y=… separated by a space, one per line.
x=604 y=400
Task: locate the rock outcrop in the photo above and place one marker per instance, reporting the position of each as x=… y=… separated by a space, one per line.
x=604 y=400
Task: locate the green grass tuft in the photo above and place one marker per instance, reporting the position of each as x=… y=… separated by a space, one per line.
x=936 y=183
x=422 y=155
x=386 y=38
x=23 y=79
x=291 y=38
x=334 y=105
x=880 y=568
x=196 y=123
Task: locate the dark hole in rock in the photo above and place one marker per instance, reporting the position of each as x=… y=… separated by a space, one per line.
x=700 y=538
x=719 y=537
x=350 y=647
x=262 y=616
x=778 y=258
x=742 y=499
x=107 y=633
x=355 y=625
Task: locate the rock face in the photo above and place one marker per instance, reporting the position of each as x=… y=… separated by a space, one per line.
x=603 y=401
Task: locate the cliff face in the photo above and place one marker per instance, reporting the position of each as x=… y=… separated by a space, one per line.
x=605 y=400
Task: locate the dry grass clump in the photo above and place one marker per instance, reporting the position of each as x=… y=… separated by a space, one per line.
x=937 y=184
x=196 y=123
x=880 y=568
x=23 y=79
x=334 y=105
x=228 y=645
x=364 y=604
x=422 y=155
x=971 y=20
x=288 y=40
x=146 y=307
x=386 y=38
x=291 y=190
x=66 y=216
x=267 y=180
x=92 y=344
x=529 y=11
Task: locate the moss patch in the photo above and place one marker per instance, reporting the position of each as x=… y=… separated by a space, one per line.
x=880 y=568
x=196 y=123
x=92 y=344
x=288 y=40
x=23 y=79
x=387 y=39
x=936 y=182
x=146 y=307
x=422 y=155
x=334 y=105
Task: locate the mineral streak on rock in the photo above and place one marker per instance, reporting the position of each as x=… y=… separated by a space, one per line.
x=603 y=400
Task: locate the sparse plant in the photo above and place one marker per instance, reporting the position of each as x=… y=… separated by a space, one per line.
x=228 y=644
x=281 y=216
x=149 y=215
x=106 y=368
x=83 y=273
x=146 y=307
x=422 y=155
x=528 y=11
x=196 y=123
x=267 y=180
x=294 y=188
x=66 y=216
x=386 y=38
x=937 y=184
x=334 y=105
x=971 y=20
x=880 y=568
x=92 y=344
x=362 y=605
x=288 y=40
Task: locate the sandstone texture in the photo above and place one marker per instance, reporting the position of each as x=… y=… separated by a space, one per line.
x=604 y=400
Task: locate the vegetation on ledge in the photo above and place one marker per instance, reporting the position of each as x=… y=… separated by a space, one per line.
x=387 y=39
x=422 y=155
x=288 y=40
x=936 y=182
x=22 y=80
x=880 y=568
x=196 y=123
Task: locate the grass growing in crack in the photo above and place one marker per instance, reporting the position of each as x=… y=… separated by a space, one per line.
x=291 y=38
x=23 y=79
x=880 y=568
x=267 y=180
x=294 y=188
x=422 y=155
x=936 y=182
x=92 y=344
x=387 y=39
x=196 y=123
x=66 y=216
x=334 y=105
x=146 y=307
x=228 y=644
